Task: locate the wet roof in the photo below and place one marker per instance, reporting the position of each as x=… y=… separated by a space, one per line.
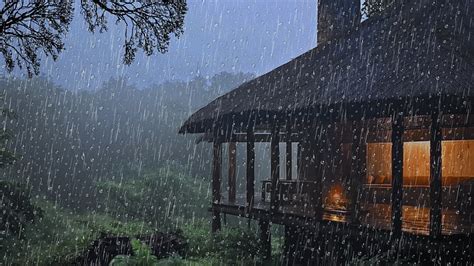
x=423 y=48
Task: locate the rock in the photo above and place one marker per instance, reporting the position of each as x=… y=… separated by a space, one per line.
x=104 y=249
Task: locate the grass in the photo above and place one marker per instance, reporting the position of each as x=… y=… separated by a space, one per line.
x=60 y=236
x=137 y=206
x=230 y=246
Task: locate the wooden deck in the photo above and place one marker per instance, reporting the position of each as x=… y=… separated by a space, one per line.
x=377 y=216
x=416 y=219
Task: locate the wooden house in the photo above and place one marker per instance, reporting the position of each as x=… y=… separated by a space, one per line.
x=380 y=115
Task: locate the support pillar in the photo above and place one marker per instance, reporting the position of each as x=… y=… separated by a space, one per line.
x=232 y=174
x=397 y=173
x=289 y=246
x=314 y=152
x=289 y=163
x=275 y=168
x=435 y=176
x=358 y=157
x=265 y=239
x=250 y=169
x=216 y=185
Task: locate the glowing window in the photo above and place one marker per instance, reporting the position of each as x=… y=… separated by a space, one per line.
x=457 y=162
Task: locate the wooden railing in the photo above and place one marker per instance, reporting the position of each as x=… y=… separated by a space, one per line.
x=290 y=192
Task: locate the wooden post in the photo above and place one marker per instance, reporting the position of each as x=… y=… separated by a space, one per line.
x=250 y=168
x=397 y=173
x=216 y=185
x=358 y=153
x=314 y=151
x=289 y=246
x=299 y=160
x=232 y=179
x=275 y=168
x=435 y=176
x=289 y=163
x=265 y=239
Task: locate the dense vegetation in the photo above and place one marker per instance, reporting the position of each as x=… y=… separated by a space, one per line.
x=60 y=235
x=110 y=162
x=17 y=210
x=67 y=141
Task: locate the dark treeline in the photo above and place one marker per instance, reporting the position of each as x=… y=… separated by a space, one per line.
x=67 y=141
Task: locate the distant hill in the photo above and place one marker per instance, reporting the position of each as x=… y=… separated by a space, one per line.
x=67 y=140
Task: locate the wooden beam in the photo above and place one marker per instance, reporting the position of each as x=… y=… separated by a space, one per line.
x=265 y=239
x=435 y=176
x=242 y=137
x=274 y=168
x=397 y=173
x=216 y=185
x=289 y=163
x=358 y=157
x=250 y=169
x=422 y=135
x=232 y=174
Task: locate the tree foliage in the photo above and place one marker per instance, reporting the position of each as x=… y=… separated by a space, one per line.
x=16 y=208
x=66 y=140
x=28 y=28
x=6 y=156
x=158 y=197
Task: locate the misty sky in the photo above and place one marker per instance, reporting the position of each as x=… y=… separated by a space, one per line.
x=220 y=35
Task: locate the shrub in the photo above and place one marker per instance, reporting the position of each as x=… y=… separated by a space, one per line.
x=16 y=208
x=142 y=256
x=62 y=235
x=229 y=245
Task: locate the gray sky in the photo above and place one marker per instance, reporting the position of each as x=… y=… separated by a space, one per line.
x=220 y=35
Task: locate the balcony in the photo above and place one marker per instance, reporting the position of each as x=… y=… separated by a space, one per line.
x=295 y=198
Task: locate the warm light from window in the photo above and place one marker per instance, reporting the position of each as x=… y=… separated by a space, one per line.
x=336 y=198
x=457 y=162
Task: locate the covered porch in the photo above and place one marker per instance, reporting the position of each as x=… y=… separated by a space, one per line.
x=411 y=174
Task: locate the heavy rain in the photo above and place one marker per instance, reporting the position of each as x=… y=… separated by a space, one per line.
x=246 y=132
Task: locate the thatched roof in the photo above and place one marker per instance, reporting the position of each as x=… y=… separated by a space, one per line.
x=420 y=49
